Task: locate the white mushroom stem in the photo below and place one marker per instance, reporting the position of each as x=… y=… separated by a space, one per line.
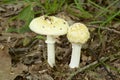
x=50 y=50
x=75 y=58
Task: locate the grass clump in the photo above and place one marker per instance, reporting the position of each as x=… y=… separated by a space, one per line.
x=94 y=12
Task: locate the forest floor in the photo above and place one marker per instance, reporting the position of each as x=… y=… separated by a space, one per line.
x=24 y=57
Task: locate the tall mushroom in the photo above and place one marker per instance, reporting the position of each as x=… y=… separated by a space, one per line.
x=52 y=27
x=77 y=34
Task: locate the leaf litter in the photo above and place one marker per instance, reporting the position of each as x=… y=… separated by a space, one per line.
x=25 y=57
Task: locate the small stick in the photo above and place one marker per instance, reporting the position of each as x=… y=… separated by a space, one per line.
x=106 y=28
x=103 y=59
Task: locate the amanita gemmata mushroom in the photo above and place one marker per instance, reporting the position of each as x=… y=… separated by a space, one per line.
x=77 y=34
x=52 y=27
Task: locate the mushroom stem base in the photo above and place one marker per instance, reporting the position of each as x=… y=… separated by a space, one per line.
x=75 y=58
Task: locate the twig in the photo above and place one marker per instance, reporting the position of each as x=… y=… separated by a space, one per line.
x=12 y=35
x=103 y=59
x=106 y=28
x=103 y=64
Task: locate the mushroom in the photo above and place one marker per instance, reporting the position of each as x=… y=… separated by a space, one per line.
x=77 y=34
x=52 y=27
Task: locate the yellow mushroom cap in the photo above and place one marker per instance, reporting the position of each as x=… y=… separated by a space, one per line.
x=78 y=33
x=49 y=25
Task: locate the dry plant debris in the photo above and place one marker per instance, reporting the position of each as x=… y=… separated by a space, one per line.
x=25 y=57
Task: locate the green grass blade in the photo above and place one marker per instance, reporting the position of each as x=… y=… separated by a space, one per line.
x=106 y=9
x=110 y=18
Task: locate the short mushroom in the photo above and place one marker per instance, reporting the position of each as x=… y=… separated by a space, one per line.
x=52 y=27
x=77 y=34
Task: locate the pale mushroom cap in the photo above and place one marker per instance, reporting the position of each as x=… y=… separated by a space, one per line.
x=49 y=25
x=78 y=33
